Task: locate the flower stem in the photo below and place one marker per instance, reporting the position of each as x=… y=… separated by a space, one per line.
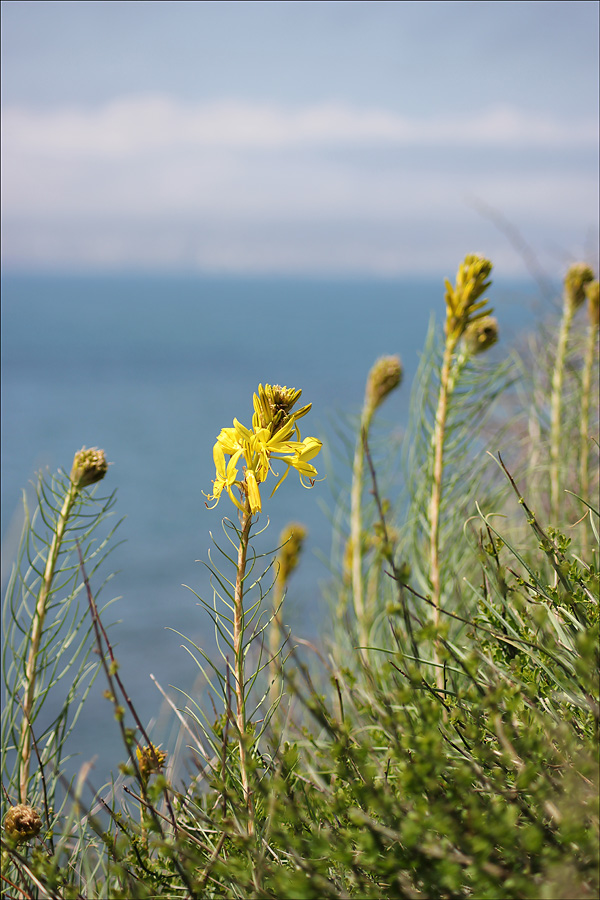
x=555 y=410
x=275 y=633
x=356 y=535
x=586 y=382
x=238 y=647
x=436 y=490
x=36 y=635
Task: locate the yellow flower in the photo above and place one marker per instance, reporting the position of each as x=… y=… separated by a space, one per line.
x=274 y=436
x=150 y=760
x=303 y=451
x=226 y=474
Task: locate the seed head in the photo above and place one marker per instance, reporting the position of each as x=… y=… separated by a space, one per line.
x=578 y=275
x=384 y=377
x=22 y=822
x=89 y=466
x=291 y=539
x=592 y=292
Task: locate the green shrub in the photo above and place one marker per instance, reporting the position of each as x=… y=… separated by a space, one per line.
x=445 y=746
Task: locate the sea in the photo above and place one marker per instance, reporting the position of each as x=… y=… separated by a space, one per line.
x=150 y=367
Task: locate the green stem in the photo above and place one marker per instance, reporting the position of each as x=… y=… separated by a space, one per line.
x=586 y=383
x=446 y=385
x=555 y=411
x=275 y=633
x=356 y=534
x=238 y=648
x=36 y=636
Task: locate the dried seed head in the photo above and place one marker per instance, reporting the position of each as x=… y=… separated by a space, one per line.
x=384 y=377
x=292 y=538
x=150 y=760
x=578 y=275
x=89 y=466
x=22 y=822
x=481 y=334
x=592 y=292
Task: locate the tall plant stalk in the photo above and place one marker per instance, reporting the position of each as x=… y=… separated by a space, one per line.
x=271 y=438
x=465 y=318
x=36 y=636
x=384 y=377
x=238 y=648
x=578 y=275
x=592 y=290
x=89 y=466
x=438 y=470
x=291 y=542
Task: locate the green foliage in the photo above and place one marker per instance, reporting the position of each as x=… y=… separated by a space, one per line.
x=451 y=755
x=476 y=386
x=62 y=666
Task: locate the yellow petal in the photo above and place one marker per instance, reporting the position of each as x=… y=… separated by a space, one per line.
x=241 y=431
x=311 y=448
x=219 y=458
x=253 y=492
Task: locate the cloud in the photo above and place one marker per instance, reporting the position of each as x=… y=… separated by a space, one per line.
x=152 y=181
x=148 y=123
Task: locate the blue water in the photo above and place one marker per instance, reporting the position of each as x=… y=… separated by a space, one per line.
x=150 y=368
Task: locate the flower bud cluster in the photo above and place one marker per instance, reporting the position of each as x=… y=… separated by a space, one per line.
x=291 y=539
x=577 y=277
x=384 y=377
x=22 y=822
x=592 y=292
x=89 y=466
x=462 y=300
x=480 y=335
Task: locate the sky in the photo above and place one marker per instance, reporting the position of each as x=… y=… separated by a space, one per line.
x=329 y=138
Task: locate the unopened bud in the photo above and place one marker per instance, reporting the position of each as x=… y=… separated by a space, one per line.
x=89 y=466
x=291 y=539
x=463 y=299
x=578 y=275
x=22 y=822
x=481 y=334
x=592 y=292
x=273 y=405
x=384 y=377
